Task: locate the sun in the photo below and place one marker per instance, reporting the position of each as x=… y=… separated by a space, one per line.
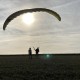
x=28 y=18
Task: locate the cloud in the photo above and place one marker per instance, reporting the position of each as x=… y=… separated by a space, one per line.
x=67 y=3
x=46 y=32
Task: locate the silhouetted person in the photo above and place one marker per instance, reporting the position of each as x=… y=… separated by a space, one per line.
x=30 y=53
x=36 y=50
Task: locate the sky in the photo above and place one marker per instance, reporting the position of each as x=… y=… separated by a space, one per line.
x=47 y=33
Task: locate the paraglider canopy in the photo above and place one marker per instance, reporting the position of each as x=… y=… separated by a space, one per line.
x=14 y=15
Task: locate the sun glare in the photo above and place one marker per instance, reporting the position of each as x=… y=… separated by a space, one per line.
x=28 y=18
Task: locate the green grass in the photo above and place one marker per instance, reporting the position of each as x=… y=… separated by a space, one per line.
x=54 y=67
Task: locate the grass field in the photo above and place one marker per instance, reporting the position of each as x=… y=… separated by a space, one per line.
x=43 y=67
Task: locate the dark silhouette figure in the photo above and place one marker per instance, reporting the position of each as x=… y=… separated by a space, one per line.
x=36 y=51
x=30 y=53
x=20 y=12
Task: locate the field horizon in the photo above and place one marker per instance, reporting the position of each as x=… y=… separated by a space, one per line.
x=42 y=67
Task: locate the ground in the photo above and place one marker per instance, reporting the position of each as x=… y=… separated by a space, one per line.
x=42 y=67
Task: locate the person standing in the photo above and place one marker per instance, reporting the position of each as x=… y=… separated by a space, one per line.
x=30 y=53
x=36 y=50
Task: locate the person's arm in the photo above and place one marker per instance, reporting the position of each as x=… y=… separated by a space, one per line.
x=34 y=48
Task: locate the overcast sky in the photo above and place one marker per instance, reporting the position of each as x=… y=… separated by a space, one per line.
x=46 y=32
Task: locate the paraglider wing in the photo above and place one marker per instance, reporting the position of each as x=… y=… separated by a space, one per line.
x=14 y=15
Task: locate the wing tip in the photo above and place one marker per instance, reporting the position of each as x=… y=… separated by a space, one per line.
x=60 y=19
x=3 y=28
